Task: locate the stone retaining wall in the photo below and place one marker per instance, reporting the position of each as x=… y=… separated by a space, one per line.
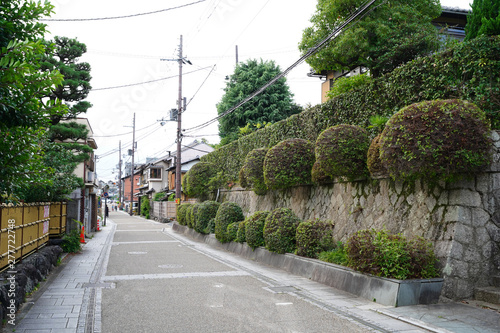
x=462 y=219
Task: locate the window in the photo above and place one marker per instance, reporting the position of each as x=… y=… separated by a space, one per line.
x=155 y=173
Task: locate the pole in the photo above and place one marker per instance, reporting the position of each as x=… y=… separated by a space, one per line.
x=132 y=170
x=120 y=176
x=236 y=54
x=178 y=182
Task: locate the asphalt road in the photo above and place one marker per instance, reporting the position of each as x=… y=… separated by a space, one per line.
x=161 y=282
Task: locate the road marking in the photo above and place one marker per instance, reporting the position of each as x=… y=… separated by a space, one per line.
x=173 y=275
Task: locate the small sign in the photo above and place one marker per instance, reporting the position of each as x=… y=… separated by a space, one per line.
x=46 y=212
x=105 y=194
x=178 y=201
x=46 y=227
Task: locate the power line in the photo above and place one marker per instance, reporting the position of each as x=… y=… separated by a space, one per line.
x=311 y=51
x=147 y=82
x=113 y=135
x=124 y=16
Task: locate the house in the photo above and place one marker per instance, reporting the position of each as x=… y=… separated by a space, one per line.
x=159 y=175
x=451 y=24
x=83 y=201
x=128 y=195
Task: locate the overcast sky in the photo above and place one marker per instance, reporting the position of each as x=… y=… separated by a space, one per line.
x=128 y=51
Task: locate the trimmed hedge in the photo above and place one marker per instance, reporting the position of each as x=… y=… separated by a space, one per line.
x=240 y=236
x=280 y=230
x=469 y=71
x=341 y=151
x=191 y=215
x=197 y=179
x=207 y=210
x=232 y=231
x=228 y=212
x=182 y=212
x=289 y=163
x=314 y=237
x=440 y=140
x=254 y=229
x=373 y=161
x=252 y=172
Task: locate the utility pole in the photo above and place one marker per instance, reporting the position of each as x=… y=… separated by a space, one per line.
x=178 y=182
x=236 y=54
x=132 y=170
x=120 y=175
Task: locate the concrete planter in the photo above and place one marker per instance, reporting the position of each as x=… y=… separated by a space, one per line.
x=385 y=291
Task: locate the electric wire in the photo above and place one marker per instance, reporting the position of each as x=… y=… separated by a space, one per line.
x=147 y=82
x=124 y=16
x=311 y=51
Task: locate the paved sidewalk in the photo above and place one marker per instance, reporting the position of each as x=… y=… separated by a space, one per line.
x=69 y=301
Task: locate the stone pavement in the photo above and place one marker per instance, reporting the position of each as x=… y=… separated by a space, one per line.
x=70 y=300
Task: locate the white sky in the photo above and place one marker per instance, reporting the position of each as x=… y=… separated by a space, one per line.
x=127 y=51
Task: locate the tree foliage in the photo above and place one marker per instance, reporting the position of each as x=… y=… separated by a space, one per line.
x=63 y=54
x=274 y=104
x=23 y=112
x=484 y=19
x=392 y=34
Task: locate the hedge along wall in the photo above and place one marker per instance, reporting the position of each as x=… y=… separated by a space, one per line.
x=469 y=71
x=462 y=219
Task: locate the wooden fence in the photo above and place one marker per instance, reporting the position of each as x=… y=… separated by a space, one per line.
x=165 y=210
x=26 y=228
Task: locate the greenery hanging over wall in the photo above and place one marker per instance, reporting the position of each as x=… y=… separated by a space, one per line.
x=469 y=71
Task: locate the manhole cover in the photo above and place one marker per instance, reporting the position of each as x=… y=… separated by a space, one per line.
x=137 y=253
x=171 y=266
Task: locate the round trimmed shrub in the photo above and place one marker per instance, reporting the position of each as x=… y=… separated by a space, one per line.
x=206 y=211
x=440 y=140
x=197 y=179
x=232 y=231
x=191 y=215
x=242 y=178
x=280 y=230
x=373 y=161
x=254 y=229
x=289 y=163
x=318 y=175
x=313 y=237
x=341 y=151
x=182 y=213
x=253 y=169
x=240 y=236
x=228 y=212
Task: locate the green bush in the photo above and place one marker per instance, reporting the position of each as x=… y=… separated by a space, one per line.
x=373 y=161
x=197 y=179
x=392 y=256
x=280 y=230
x=318 y=176
x=210 y=229
x=159 y=196
x=289 y=163
x=232 y=231
x=71 y=242
x=242 y=178
x=191 y=215
x=228 y=212
x=440 y=140
x=182 y=213
x=254 y=229
x=253 y=169
x=346 y=84
x=240 y=236
x=469 y=71
x=205 y=212
x=341 y=151
x=145 y=207
x=336 y=256
x=313 y=237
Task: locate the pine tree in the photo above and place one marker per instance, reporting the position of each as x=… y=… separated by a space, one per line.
x=484 y=19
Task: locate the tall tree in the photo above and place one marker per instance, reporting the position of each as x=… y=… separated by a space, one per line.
x=484 y=19
x=393 y=33
x=63 y=54
x=272 y=105
x=24 y=113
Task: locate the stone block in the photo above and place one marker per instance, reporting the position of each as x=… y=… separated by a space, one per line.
x=464 y=197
